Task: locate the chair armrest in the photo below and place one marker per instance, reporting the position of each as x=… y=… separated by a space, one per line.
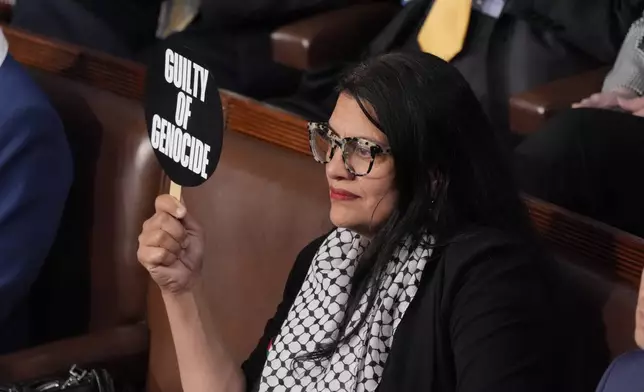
x=103 y=348
x=530 y=109
x=330 y=37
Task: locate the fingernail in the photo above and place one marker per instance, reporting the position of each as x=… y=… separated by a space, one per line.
x=185 y=242
x=181 y=211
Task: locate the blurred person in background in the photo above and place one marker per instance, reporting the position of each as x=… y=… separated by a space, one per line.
x=232 y=36
x=589 y=159
x=123 y=28
x=501 y=47
x=35 y=177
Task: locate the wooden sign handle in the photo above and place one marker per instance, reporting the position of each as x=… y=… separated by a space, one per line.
x=175 y=190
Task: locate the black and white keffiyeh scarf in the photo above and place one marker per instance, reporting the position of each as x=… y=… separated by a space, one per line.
x=319 y=308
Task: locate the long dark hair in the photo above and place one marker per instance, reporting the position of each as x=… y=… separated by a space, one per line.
x=450 y=171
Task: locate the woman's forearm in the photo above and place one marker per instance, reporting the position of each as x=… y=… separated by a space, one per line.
x=204 y=363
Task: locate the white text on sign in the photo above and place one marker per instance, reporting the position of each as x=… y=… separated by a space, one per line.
x=180 y=146
x=173 y=139
x=190 y=77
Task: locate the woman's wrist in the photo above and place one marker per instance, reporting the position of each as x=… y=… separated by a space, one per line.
x=191 y=293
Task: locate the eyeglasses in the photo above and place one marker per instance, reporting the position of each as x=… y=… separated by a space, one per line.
x=358 y=154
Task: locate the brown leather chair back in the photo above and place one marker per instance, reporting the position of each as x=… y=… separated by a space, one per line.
x=261 y=207
x=92 y=279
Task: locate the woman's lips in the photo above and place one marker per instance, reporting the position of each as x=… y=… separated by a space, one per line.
x=340 y=194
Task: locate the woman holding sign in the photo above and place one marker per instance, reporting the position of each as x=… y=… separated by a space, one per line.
x=432 y=280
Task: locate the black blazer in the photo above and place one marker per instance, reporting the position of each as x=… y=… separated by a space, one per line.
x=485 y=318
x=596 y=27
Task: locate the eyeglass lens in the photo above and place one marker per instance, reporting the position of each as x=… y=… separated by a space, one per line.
x=357 y=157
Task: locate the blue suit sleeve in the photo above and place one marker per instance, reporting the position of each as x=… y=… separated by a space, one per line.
x=625 y=374
x=35 y=178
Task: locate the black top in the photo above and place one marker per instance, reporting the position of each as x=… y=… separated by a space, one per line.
x=483 y=320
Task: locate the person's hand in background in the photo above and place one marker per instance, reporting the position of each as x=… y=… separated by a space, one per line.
x=605 y=100
x=634 y=106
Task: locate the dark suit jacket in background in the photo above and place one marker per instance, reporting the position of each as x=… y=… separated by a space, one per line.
x=122 y=28
x=35 y=177
x=596 y=27
x=233 y=37
x=223 y=14
x=624 y=374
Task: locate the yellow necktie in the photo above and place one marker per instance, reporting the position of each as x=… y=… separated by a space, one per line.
x=443 y=32
x=176 y=16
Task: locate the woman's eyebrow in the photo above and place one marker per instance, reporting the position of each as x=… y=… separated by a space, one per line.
x=332 y=130
x=381 y=144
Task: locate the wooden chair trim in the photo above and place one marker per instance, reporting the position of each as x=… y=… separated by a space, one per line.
x=596 y=242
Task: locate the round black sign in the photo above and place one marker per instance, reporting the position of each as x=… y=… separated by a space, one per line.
x=183 y=114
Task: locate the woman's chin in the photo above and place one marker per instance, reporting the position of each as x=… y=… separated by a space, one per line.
x=346 y=219
x=341 y=219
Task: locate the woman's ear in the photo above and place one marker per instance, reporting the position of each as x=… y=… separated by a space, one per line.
x=438 y=191
x=437 y=183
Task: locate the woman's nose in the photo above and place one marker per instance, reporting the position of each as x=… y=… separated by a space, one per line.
x=335 y=168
